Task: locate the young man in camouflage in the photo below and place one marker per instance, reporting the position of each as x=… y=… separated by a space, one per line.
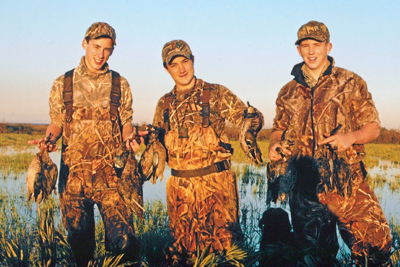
x=92 y=130
x=202 y=194
x=319 y=99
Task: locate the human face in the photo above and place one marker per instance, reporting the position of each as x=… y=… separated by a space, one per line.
x=182 y=72
x=315 y=55
x=97 y=53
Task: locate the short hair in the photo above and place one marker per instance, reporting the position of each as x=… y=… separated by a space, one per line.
x=165 y=64
x=88 y=38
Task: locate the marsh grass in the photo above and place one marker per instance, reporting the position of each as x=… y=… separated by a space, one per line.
x=17 y=140
x=34 y=236
x=14 y=164
x=240 y=157
x=388 y=152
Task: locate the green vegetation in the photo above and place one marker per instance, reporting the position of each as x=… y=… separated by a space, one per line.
x=32 y=235
x=23 y=128
x=17 y=140
x=14 y=163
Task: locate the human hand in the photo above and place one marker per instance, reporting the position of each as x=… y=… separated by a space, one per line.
x=278 y=152
x=339 y=142
x=134 y=140
x=45 y=143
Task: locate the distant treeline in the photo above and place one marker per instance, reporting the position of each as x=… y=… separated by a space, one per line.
x=386 y=137
x=22 y=128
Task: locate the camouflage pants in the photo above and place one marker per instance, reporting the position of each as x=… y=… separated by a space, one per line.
x=81 y=191
x=361 y=221
x=202 y=211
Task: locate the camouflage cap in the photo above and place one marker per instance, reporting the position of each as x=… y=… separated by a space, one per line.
x=101 y=29
x=175 y=48
x=313 y=30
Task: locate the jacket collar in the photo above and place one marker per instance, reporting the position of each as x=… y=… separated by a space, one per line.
x=84 y=70
x=298 y=74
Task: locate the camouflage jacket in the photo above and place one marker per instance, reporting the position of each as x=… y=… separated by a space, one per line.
x=191 y=146
x=90 y=136
x=339 y=97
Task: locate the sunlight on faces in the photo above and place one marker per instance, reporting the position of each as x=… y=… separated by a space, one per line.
x=182 y=72
x=97 y=53
x=315 y=55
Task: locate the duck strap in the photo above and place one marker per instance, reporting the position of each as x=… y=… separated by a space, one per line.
x=205 y=107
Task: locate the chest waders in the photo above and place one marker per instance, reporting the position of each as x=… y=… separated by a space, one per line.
x=205 y=114
x=68 y=97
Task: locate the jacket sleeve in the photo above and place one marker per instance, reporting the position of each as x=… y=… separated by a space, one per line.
x=363 y=108
x=232 y=109
x=125 y=109
x=158 y=120
x=56 y=103
x=281 y=120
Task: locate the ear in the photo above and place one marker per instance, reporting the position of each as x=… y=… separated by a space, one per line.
x=167 y=70
x=329 y=48
x=299 y=50
x=84 y=44
x=112 y=50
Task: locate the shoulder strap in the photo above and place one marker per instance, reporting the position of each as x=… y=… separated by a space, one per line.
x=115 y=95
x=167 y=101
x=68 y=95
x=205 y=105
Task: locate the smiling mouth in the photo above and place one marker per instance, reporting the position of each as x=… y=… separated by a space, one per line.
x=98 y=62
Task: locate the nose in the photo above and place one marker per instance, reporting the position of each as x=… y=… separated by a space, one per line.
x=311 y=50
x=182 y=68
x=100 y=53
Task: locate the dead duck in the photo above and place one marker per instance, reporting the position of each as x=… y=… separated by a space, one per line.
x=42 y=174
x=152 y=161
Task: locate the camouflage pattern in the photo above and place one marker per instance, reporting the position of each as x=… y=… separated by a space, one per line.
x=347 y=102
x=202 y=210
x=98 y=29
x=82 y=191
x=87 y=175
x=313 y=30
x=340 y=97
x=175 y=48
x=361 y=221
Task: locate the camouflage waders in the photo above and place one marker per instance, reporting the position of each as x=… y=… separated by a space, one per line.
x=87 y=175
x=203 y=208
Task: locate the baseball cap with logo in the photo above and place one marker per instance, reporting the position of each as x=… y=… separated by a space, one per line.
x=175 y=48
x=101 y=29
x=313 y=30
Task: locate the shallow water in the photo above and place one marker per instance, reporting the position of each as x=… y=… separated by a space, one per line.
x=252 y=188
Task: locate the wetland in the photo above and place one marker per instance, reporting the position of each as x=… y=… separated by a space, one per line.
x=23 y=232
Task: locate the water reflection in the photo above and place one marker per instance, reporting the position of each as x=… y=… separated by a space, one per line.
x=383 y=177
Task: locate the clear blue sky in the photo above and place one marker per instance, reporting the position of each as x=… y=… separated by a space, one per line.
x=248 y=46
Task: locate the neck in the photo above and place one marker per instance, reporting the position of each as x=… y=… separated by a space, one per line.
x=316 y=73
x=187 y=86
